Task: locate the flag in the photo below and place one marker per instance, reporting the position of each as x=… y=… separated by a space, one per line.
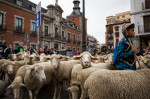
x=57 y=33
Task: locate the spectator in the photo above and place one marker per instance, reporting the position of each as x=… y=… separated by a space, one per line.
x=49 y=51
x=8 y=51
x=28 y=50
x=19 y=48
x=2 y=48
x=147 y=51
x=41 y=51
x=75 y=53
x=45 y=50
x=33 y=50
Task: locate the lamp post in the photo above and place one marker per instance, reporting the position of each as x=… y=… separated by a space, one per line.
x=83 y=35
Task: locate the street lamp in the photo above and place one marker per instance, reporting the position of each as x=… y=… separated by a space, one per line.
x=83 y=35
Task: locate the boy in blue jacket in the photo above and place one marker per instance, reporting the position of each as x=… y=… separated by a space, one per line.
x=125 y=58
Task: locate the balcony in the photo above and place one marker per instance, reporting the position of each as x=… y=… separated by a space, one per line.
x=33 y=33
x=146 y=5
x=79 y=42
x=74 y=41
x=3 y=27
x=19 y=31
x=68 y=40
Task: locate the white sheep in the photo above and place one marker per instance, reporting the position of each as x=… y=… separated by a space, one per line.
x=34 y=79
x=62 y=71
x=12 y=57
x=118 y=84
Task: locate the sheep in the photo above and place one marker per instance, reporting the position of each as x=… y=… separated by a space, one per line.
x=35 y=73
x=85 y=59
x=62 y=71
x=2 y=68
x=18 y=81
x=12 y=57
x=117 y=84
x=21 y=55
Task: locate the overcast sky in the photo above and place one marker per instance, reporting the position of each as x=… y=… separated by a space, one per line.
x=96 y=12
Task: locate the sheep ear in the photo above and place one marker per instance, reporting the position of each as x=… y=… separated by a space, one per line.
x=10 y=86
x=23 y=85
x=93 y=58
x=29 y=67
x=5 y=64
x=9 y=55
x=76 y=57
x=68 y=89
x=60 y=57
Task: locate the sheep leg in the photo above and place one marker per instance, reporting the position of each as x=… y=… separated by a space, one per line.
x=83 y=93
x=68 y=83
x=30 y=94
x=60 y=88
x=55 y=90
x=36 y=93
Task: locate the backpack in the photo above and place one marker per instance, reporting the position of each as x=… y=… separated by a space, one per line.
x=115 y=50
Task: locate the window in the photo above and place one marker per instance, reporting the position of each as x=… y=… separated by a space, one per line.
x=117 y=34
x=63 y=35
x=146 y=23
x=56 y=32
x=33 y=29
x=33 y=8
x=46 y=30
x=68 y=35
x=74 y=49
x=74 y=37
x=19 y=3
x=1 y=19
x=78 y=38
x=123 y=16
x=18 y=24
x=118 y=17
x=116 y=28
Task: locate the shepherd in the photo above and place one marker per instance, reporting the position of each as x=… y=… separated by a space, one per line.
x=124 y=52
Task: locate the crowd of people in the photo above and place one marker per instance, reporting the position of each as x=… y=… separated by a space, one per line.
x=5 y=51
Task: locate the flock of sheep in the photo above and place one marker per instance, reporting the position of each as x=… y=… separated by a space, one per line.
x=87 y=76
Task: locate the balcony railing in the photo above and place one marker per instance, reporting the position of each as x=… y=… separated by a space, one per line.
x=68 y=40
x=52 y=36
x=143 y=29
x=19 y=31
x=74 y=41
x=79 y=42
x=33 y=33
x=3 y=27
x=146 y=5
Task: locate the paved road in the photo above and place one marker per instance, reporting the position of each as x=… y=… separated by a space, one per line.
x=43 y=94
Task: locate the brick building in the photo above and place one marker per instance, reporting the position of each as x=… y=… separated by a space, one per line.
x=77 y=18
x=114 y=28
x=17 y=21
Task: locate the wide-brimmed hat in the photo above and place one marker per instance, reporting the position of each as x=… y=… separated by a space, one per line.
x=126 y=27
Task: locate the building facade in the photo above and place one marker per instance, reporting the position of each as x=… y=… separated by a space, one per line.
x=140 y=16
x=17 y=25
x=77 y=18
x=114 y=28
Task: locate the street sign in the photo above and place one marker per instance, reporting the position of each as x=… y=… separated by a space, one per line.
x=38 y=15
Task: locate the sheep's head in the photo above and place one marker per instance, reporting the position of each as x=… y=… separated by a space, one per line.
x=9 y=67
x=20 y=56
x=74 y=91
x=55 y=60
x=85 y=59
x=38 y=71
x=12 y=57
